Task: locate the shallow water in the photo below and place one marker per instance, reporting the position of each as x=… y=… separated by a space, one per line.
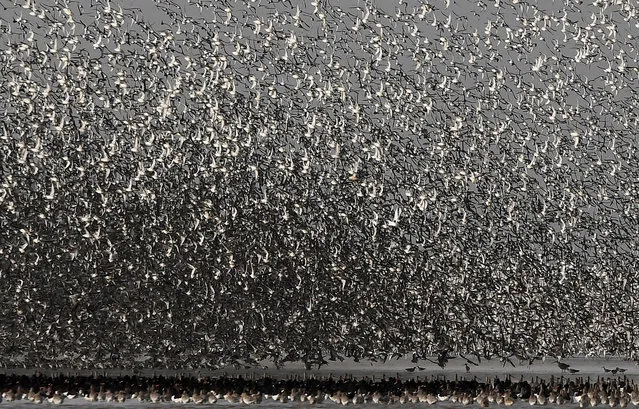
x=588 y=367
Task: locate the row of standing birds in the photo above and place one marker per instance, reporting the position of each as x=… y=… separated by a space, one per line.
x=611 y=392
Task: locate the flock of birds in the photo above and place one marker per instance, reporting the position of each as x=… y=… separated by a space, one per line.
x=208 y=183
x=613 y=392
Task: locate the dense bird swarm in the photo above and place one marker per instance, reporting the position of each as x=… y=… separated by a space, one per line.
x=216 y=183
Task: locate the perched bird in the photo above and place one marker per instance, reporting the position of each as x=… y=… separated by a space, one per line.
x=57 y=398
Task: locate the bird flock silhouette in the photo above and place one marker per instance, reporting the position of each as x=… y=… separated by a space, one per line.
x=244 y=180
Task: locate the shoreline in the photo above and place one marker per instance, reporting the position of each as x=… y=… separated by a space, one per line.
x=403 y=368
